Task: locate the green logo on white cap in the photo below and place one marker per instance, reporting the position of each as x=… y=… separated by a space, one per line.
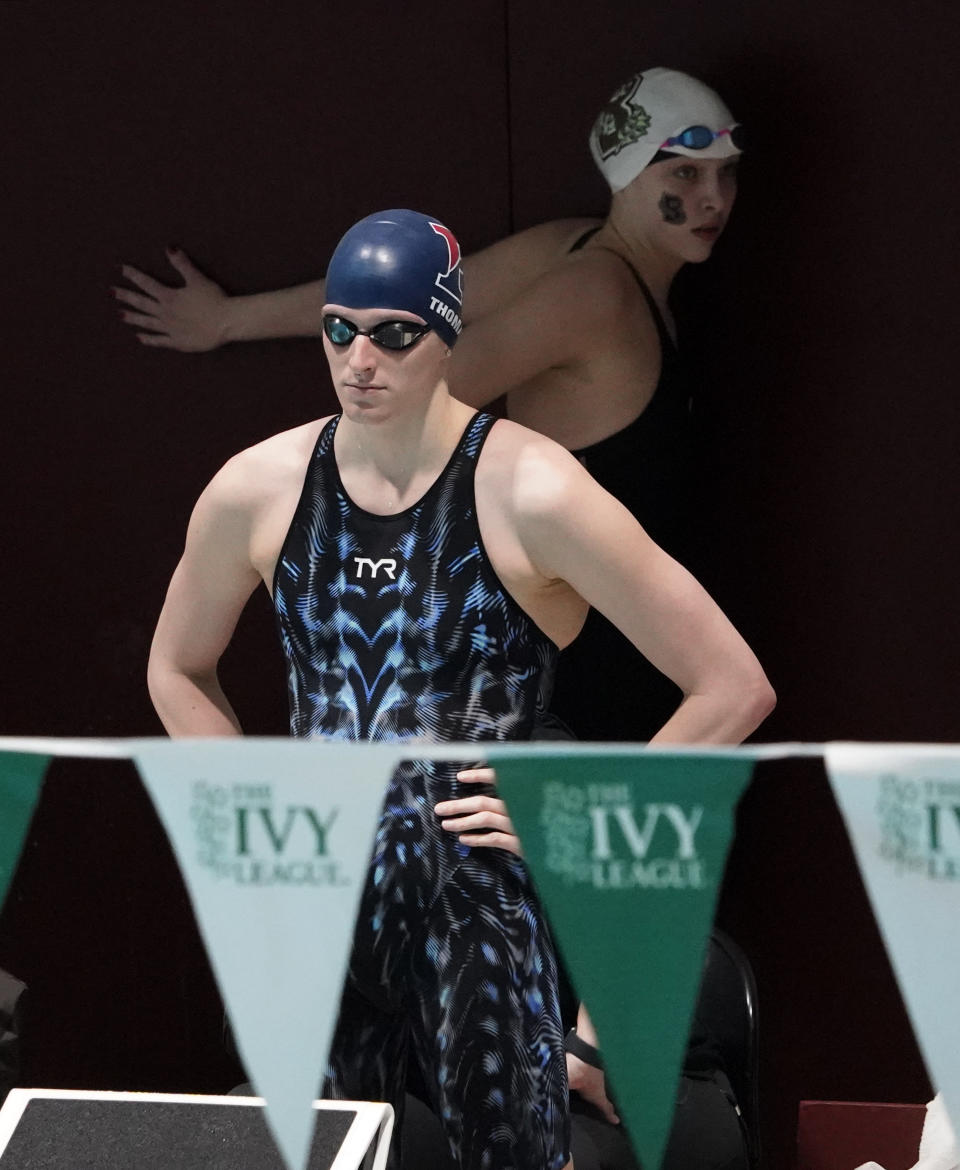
x=620 y=122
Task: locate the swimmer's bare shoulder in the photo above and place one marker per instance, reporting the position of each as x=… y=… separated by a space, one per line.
x=496 y=274
x=255 y=494
x=600 y=282
x=536 y=489
x=526 y=482
x=525 y=464
x=563 y=318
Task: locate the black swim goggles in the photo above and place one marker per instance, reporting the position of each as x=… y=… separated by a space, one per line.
x=700 y=137
x=388 y=334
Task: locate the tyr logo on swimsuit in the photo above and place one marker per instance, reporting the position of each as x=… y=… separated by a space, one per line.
x=388 y=564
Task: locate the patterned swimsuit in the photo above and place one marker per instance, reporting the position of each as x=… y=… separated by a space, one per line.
x=396 y=627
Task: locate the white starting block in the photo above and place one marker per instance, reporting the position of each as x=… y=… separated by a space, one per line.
x=63 y=1129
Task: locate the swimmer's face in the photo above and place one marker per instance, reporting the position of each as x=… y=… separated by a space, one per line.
x=681 y=204
x=374 y=383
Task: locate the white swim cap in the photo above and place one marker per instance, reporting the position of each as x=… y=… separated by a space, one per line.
x=660 y=109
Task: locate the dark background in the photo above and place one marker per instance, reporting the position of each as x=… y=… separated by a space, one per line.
x=252 y=135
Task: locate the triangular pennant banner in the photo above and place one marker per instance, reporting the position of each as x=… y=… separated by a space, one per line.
x=21 y=775
x=274 y=838
x=628 y=852
x=902 y=810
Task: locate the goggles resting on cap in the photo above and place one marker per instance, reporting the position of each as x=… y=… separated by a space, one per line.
x=700 y=137
x=388 y=334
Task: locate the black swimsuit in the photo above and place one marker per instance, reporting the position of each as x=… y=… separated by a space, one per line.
x=605 y=690
x=396 y=627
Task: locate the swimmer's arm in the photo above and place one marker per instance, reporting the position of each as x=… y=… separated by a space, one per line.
x=583 y=1078
x=286 y=312
x=199 y=316
x=556 y=322
x=207 y=593
x=576 y=532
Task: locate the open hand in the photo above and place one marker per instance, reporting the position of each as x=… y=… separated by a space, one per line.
x=590 y=1083
x=191 y=318
x=470 y=813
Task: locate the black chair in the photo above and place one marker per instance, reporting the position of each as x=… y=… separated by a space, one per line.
x=11 y=1010
x=726 y=1022
x=715 y=1116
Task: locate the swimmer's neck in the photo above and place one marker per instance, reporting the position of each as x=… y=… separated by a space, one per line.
x=655 y=268
x=414 y=439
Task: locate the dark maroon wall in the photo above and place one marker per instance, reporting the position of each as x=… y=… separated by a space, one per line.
x=252 y=137
x=825 y=322
x=828 y=310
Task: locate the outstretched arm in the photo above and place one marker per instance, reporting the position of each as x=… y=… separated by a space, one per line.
x=207 y=593
x=199 y=315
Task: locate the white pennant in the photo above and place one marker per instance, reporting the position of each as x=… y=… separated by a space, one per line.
x=901 y=805
x=274 y=839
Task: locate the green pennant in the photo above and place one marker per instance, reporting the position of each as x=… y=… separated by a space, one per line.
x=21 y=775
x=627 y=851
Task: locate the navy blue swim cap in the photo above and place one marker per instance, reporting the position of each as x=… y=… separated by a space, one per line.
x=400 y=260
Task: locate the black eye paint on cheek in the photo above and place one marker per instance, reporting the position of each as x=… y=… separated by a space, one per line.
x=671 y=208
